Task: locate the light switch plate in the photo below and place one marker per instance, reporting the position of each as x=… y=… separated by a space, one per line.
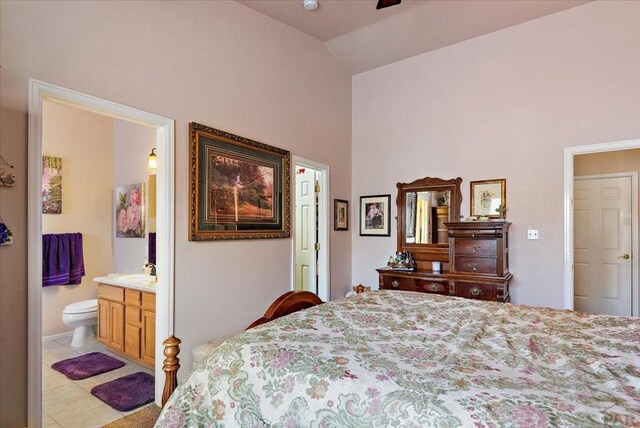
x=532 y=234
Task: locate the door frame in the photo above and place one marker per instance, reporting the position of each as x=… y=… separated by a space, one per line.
x=569 y=153
x=634 y=227
x=165 y=220
x=324 y=278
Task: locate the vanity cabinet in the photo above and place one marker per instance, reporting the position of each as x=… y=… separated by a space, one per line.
x=126 y=322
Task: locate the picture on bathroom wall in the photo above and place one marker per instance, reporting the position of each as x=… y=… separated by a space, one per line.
x=51 y=185
x=129 y=211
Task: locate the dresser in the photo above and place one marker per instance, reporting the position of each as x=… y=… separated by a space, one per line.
x=478 y=265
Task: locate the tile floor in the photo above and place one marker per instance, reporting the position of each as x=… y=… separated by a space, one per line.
x=69 y=404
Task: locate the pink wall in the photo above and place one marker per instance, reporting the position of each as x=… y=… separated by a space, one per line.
x=502 y=105
x=217 y=63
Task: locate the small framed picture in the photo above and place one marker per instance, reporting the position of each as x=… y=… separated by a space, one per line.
x=375 y=215
x=489 y=198
x=340 y=214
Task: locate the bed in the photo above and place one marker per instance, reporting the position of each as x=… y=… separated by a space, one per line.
x=389 y=358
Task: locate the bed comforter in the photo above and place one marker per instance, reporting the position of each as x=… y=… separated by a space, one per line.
x=403 y=359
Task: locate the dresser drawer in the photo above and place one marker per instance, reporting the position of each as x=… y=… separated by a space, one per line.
x=400 y=283
x=476 y=247
x=483 y=265
x=477 y=291
x=433 y=287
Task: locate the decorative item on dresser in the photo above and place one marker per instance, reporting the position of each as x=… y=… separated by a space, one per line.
x=474 y=261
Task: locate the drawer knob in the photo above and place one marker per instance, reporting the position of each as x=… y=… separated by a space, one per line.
x=433 y=287
x=475 y=266
x=475 y=248
x=475 y=291
x=395 y=283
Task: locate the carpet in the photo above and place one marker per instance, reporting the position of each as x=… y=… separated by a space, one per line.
x=127 y=392
x=87 y=365
x=143 y=418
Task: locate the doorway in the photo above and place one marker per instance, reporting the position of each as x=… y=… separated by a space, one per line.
x=603 y=236
x=165 y=203
x=311 y=228
x=576 y=217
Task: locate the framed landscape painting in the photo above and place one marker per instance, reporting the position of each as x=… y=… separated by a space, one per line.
x=51 y=185
x=239 y=187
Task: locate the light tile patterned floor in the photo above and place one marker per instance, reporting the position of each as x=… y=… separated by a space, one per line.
x=69 y=404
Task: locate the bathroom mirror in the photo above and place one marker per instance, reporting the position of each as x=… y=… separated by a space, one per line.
x=424 y=205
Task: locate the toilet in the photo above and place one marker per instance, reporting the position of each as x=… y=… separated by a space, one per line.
x=82 y=317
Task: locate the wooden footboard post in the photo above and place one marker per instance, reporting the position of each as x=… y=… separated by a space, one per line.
x=170 y=366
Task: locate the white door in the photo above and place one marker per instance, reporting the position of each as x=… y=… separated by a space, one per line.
x=602 y=245
x=305 y=230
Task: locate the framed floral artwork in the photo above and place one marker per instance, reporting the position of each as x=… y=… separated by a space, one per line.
x=489 y=198
x=375 y=215
x=239 y=187
x=129 y=211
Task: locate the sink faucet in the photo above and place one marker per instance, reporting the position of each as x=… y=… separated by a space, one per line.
x=151 y=267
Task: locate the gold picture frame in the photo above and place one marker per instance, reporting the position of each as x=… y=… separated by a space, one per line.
x=489 y=198
x=239 y=187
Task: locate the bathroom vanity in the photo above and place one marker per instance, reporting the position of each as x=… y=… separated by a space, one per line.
x=127 y=316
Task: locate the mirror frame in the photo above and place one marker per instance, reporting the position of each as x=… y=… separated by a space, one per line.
x=427 y=251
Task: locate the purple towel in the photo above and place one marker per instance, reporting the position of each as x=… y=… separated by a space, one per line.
x=151 y=256
x=62 y=259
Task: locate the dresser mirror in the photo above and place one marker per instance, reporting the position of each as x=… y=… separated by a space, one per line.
x=424 y=205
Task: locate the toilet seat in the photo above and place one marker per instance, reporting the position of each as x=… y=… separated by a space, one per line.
x=82 y=307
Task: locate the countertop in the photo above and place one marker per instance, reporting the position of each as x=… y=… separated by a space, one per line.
x=136 y=281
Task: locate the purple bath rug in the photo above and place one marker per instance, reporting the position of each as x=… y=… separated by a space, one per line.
x=87 y=365
x=127 y=392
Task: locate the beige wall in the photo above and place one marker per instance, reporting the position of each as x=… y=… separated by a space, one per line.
x=503 y=105
x=607 y=162
x=217 y=63
x=84 y=141
x=132 y=144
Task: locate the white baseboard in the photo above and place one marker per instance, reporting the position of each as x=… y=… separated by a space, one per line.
x=57 y=336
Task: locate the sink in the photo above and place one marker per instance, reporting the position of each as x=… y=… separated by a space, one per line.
x=136 y=277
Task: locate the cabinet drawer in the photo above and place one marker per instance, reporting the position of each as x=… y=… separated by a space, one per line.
x=434 y=287
x=478 y=291
x=132 y=315
x=400 y=283
x=149 y=301
x=110 y=293
x=132 y=297
x=486 y=265
x=476 y=247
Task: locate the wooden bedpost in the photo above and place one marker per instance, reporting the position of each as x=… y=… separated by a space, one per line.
x=170 y=366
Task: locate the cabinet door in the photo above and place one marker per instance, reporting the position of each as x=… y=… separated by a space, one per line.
x=103 y=321
x=116 y=338
x=149 y=339
x=132 y=342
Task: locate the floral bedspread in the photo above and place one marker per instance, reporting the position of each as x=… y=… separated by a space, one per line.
x=403 y=359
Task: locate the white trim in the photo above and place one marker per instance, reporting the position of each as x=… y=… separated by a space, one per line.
x=324 y=273
x=57 y=336
x=634 y=228
x=569 y=153
x=165 y=219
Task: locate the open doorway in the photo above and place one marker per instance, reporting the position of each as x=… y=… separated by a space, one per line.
x=311 y=228
x=39 y=93
x=601 y=228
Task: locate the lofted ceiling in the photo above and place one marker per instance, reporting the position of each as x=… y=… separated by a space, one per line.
x=363 y=38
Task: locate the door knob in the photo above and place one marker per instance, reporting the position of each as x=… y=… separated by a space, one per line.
x=624 y=256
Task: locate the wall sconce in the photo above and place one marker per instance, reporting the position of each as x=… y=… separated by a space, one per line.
x=152 y=162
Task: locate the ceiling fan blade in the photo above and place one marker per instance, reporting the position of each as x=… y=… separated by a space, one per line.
x=387 y=3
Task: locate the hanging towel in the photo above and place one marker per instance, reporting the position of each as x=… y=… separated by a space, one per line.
x=62 y=259
x=151 y=256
